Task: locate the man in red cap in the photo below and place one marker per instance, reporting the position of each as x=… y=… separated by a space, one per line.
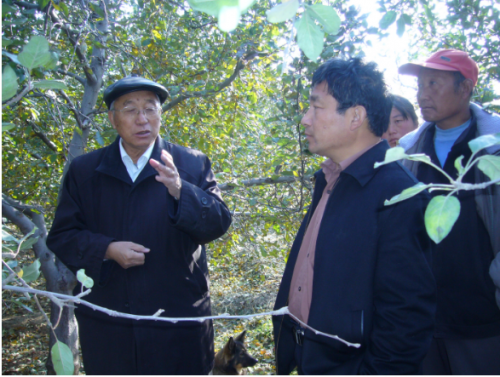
x=466 y=263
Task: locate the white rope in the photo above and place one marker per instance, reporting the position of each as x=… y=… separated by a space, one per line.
x=65 y=299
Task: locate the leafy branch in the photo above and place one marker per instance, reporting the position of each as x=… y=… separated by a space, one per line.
x=443 y=211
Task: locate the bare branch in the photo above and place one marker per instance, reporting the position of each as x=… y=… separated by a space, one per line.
x=43 y=137
x=72 y=108
x=74 y=41
x=263 y=181
x=221 y=86
x=77 y=299
x=81 y=80
x=21 y=94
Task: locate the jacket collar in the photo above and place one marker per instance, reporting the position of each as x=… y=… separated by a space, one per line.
x=362 y=168
x=487 y=123
x=113 y=166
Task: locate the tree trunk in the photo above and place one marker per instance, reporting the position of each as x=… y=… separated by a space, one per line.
x=58 y=277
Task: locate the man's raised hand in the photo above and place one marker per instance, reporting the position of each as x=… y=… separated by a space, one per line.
x=168 y=174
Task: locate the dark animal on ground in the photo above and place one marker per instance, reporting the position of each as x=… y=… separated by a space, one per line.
x=233 y=358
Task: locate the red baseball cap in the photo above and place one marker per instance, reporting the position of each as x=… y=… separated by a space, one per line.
x=445 y=60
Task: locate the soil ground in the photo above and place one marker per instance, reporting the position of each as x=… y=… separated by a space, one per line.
x=240 y=284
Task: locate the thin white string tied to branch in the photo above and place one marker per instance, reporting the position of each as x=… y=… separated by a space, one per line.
x=58 y=297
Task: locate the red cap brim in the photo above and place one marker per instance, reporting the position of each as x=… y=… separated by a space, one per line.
x=413 y=69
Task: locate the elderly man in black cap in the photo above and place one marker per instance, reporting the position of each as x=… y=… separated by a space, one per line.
x=138 y=230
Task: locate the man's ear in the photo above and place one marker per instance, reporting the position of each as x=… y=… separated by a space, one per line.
x=467 y=86
x=111 y=117
x=358 y=117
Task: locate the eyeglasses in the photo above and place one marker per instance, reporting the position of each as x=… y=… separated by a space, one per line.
x=132 y=112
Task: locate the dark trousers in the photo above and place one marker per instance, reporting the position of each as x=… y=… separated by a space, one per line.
x=463 y=356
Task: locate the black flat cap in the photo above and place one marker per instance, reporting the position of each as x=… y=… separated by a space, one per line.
x=131 y=84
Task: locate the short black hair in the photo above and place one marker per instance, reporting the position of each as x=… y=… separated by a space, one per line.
x=405 y=108
x=354 y=83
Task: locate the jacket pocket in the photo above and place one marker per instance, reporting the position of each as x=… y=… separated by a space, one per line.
x=357 y=325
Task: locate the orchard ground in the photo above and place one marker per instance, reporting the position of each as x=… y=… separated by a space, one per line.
x=240 y=284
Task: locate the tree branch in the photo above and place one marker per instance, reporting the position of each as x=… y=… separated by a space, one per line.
x=65 y=299
x=21 y=94
x=239 y=66
x=72 y=108
x=263 y=181
x=81 y=56
x=81 y=80
x=43 y=137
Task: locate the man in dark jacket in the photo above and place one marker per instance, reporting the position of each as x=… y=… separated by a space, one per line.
x=467 y=335
x=138 y=230
x=358 y=269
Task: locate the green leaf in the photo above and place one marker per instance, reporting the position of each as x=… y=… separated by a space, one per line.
x=54 y=59
x=458 y=165
x=6 y=42
x=490 y=165
x=28 y=243
x=99 y=139
x=65 y=10
x=401 y=26
x=9 y=83
x=309 y=36
x=62 y=358
x=407 y=193
x=97 y=9
x=229 y=17
x=78 y=131
x=86 y=281
x=208 y=6
x=388 y=19
x=7 y=237
x=283 y=11
x=440 y=216
x=32 y=272
x=35 y=53
x=12 y=57
x=484 y=141
x=392 y=154
x=326 y=16
x=419 y=157
x=6 y=9
x=42 y=3
x=407 y=18
x=50 y=84
x=7 y=126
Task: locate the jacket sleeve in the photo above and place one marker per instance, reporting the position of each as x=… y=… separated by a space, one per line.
x=200 y=211
x=70 y=239
x=404 y=293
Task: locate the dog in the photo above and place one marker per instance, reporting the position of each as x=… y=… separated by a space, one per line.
x=233 y=358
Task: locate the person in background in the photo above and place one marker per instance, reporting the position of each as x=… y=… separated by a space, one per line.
x=466 y=263
x=403 y=120
x=357 y=269
x=136 y=215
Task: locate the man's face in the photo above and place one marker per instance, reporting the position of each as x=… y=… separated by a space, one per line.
x=137 y=131
x=398 y=127
x=437 y=98
x=326 y=130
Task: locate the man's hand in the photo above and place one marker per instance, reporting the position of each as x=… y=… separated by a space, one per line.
x=168 y=174
x=126 y=254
